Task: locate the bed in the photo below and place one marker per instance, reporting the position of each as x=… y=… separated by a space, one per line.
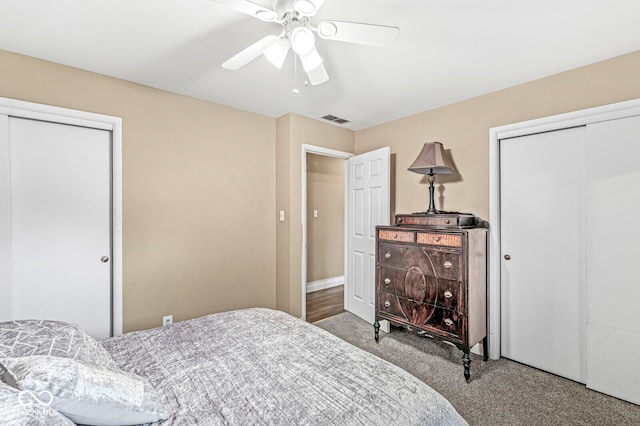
x=246 y=367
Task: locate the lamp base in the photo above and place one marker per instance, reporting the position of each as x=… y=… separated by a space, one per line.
x=432 y=204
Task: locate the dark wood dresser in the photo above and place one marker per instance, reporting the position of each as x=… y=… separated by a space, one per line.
x=431 y=278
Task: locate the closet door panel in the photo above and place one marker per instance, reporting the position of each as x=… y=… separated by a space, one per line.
x=58 y=199
x=613 y=255
x=541 y=183
x=613 y=359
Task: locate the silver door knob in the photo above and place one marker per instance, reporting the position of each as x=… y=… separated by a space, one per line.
x=104 y=259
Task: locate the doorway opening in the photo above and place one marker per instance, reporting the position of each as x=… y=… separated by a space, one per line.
x=323 y=231
x=325 y=236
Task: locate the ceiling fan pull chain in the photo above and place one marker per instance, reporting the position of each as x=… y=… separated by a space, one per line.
x=295 y=75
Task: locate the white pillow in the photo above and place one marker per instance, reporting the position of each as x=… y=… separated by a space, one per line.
x=54 y=338
x=86 y=393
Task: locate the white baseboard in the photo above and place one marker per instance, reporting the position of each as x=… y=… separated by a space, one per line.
x=324 y=284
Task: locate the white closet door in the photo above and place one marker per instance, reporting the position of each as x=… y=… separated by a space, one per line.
x=56 y=202
x=613 y=255
x=541 y=185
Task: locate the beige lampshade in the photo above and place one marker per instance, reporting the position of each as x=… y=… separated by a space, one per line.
x=432 y=160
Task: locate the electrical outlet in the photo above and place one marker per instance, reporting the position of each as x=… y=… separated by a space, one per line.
x=167 y=320
x=281 y=215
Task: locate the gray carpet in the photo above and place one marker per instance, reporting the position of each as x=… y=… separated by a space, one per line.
x=501 y=392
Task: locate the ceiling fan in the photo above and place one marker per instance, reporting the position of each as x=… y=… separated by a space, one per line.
x=298 y=34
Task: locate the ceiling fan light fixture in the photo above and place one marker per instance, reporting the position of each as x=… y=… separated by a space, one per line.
x=305 y=7
x=277 y=52
x=302 y=40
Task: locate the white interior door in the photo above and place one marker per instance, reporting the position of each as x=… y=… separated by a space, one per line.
x=56 y=223
x=368 y=205
x=613 y=200
x=542 y=235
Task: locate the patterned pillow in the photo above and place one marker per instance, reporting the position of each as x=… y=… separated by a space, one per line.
x=53 y=338
x=85 y=393
x=20 y=408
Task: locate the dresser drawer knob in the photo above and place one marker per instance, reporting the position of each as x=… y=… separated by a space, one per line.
x=448 y=264
x=447 y=221
x=395 y=236
x=387 y=281
x=387 y=304
x=448 y=294
x=387 y=255
x=448 y=322
x=437 y=239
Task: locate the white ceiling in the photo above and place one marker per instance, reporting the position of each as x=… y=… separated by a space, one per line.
x=448 y=50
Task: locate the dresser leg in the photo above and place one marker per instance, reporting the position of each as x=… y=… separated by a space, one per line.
x=466 y=361
x=376 y=329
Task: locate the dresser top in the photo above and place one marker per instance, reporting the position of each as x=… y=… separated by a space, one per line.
x=440 y=220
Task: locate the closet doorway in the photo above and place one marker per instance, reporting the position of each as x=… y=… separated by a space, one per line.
x=60 y=221
x=563 y=281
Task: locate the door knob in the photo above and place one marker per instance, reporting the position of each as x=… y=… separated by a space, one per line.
x=507 y=257
x=104 y=259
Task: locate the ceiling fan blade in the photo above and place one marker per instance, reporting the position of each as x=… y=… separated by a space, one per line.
x=354 y=32
x=250 y=8
x=311 y=61
x=250 y=53
x=318 y=75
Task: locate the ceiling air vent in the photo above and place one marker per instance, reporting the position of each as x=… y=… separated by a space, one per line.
x=335 y=119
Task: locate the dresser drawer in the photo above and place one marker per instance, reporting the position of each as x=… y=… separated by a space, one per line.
x=436 y=239
x=427 y=317
x=448 y=294
x=418 y=259
x=447 y=321
x=425 y=289
x=387 y=280
x=446 y=264
x=404 y=310
x=436 y=220
x=392 y=255
x=396 y=235
x=409 y=284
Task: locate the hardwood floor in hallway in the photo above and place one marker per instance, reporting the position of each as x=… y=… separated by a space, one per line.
x=325 y=303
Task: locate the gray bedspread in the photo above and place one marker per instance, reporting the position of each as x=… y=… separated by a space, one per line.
x=259 y=366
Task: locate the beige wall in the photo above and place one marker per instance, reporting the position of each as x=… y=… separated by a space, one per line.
x=203 y=182
x=325 y=233
x=293 y=132
x=463 y=128
x=198 y=191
